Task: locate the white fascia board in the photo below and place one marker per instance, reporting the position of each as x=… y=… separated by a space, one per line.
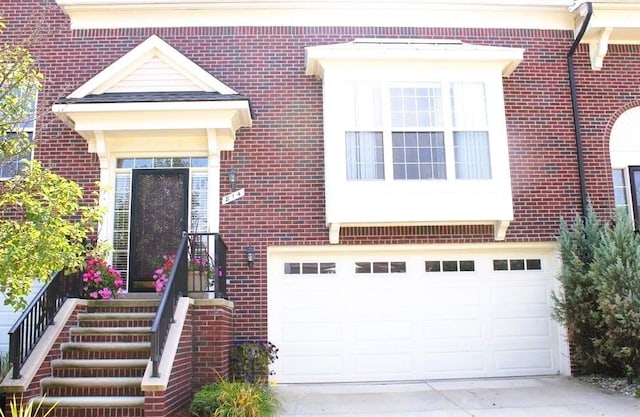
x=153 y=46
x=532 y=14
x=234 y=114
x=318 y=56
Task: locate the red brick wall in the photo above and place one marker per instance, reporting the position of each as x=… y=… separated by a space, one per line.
x=177 y=397
x=211 y=343
x=280 y=159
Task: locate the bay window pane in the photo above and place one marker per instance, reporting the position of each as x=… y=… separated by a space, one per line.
x=365 y=109
x=471 y=152
x=468 y=105
x=418 y=155
x=416 y=107
x=364 y=153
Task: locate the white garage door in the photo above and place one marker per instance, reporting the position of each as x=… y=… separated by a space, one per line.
x=413 y=315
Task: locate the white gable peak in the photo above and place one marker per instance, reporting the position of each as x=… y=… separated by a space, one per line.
x=152 y=66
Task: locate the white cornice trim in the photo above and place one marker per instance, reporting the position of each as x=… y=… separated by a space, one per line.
x=362 y=51
x=132 y=60
x=532 y=14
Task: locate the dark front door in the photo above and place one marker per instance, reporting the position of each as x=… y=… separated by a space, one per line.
x=159 y=204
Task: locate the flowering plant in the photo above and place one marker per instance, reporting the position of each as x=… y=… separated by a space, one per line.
x=101 y=281
x=161 y=275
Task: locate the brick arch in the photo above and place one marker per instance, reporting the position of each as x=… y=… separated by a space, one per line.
x=616 y=115
x=623 y=152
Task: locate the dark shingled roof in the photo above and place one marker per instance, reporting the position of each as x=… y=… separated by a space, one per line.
x=147 y=97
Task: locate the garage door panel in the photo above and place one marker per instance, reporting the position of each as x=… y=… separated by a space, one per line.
x=519 y=295
x=391 y=365
x=529 y=360
x=315 y=332
x=372 y=331
x=519 y=327
x=463 y=329
x=463 y=296
x=452 y=361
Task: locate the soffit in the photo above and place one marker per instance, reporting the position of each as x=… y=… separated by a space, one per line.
x=611 y=23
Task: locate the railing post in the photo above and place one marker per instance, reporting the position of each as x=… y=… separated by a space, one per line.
x=15 y=352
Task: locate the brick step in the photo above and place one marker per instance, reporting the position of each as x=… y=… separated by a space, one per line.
x=123 y=305
x=98 y=367
x=105 y=350
x=91 y=386
x=110 y=334
x=116 y=319
x=112 y=406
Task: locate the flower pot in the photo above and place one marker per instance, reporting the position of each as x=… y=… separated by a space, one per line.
x=198 y=283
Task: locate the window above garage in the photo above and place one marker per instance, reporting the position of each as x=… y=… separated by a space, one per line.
x=415 y=132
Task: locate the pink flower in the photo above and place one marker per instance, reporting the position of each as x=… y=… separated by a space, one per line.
x=105 y=293
x=101 y=280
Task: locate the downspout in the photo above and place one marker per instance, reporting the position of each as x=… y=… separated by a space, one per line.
x=576 y=111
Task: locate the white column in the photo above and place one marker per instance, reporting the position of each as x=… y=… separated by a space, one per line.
x=105 y=229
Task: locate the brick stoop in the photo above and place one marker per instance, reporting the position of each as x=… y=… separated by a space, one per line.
x=102 y=365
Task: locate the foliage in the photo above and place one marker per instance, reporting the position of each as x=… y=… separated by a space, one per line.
x=44 y=222
x=616 y=272
x=18 y=408
x=577 y=305
x=5 y=364
x=101 y=280
x=600 y=299
x=19 y=83
x=234 y=399
x=250 y=361
x=47 y=232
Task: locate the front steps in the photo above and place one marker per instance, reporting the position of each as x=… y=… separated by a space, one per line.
x=100 y=370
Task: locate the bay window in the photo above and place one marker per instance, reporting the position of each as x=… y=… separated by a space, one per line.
x=414 y=133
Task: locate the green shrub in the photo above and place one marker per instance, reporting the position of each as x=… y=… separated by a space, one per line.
x=600 y=298
x=249 y=361
x=576 y=306
x=616 y=272
x=234 y=399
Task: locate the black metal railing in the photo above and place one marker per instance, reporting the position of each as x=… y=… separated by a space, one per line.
x=38 y=316
x=206 y=273
x=176 y=287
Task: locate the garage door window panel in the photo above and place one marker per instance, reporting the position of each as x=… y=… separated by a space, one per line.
x=380 y=267
x=450 y=266
x=309 y=268
x=517 y=264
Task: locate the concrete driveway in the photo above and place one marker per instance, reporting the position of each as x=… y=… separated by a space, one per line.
x=514 y=397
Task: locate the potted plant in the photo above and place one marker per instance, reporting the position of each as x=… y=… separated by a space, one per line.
x=198 y=273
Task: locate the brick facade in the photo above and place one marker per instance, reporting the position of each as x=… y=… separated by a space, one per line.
x=281 y=160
